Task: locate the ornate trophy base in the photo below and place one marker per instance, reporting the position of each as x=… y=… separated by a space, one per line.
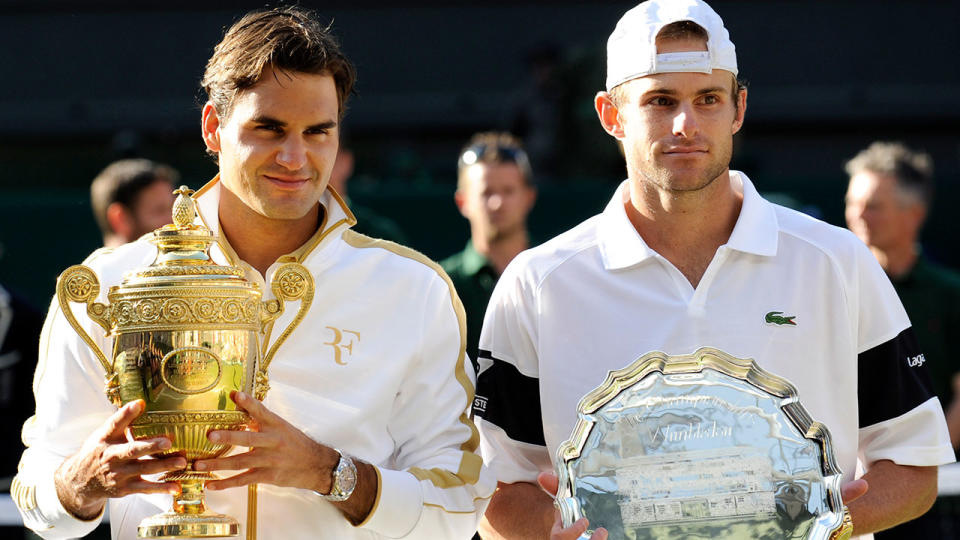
x=174 y=525
x=189 y=517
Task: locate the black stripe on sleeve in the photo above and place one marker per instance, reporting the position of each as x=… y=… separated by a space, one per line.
x=510 y=400
x=892 y=379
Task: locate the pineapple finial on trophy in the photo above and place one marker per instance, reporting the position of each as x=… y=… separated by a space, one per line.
x=184 y=208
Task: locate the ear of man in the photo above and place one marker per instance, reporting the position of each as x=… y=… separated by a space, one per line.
x=741 y=110
x=120 y=220
x=460 y=199
x=530 y=196
x=609 y=114
x=209 y=127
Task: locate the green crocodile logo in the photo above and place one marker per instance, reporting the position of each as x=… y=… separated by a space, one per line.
x=776 y=317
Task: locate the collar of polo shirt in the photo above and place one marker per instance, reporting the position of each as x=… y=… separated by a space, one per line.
x=756 y=230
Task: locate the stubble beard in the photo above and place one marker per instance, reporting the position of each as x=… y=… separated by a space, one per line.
x=274 y=206
x=680 y=183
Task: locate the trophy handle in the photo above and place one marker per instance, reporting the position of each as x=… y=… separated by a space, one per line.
x=845 y=531
x=292 y=281
x=569 y=509
x=564 y=501
x=80 y=284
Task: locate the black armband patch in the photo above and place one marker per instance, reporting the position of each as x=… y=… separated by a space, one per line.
x=891 y=379
x=510 y=400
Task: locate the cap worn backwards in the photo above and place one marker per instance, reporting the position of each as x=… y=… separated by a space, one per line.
x=632 y=49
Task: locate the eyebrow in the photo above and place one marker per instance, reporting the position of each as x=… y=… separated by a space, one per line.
x=268 y=120
x=712 y=90
x=671 y=92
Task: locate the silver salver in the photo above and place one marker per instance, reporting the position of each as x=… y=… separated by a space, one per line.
x=700 y=446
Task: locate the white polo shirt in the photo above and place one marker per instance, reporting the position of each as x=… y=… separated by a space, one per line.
x=596 y=298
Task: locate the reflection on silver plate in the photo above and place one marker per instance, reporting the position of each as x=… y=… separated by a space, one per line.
x=699 y=446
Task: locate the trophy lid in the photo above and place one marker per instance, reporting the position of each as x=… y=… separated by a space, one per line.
x=183 y=251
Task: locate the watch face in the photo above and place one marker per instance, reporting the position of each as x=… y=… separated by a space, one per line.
x=347 y=478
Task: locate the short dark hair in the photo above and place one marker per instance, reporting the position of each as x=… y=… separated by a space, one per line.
x=683 y=30
x=287 y=39
x=912 y=170
x=494 y=147
x=121 y=182
x=676 y=31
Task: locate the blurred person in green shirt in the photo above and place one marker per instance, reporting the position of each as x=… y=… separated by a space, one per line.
x=888 y=198
x=495 y=193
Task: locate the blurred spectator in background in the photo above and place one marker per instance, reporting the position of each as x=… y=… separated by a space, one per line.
x=369 y=222
x=889 y=195
x=132 y=197
x=887 y=201
x=20 y=325
x=495 y=192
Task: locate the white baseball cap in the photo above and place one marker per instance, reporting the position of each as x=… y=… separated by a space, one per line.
x=632 y=50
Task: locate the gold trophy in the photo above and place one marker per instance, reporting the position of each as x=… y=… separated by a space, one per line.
x=186 y=333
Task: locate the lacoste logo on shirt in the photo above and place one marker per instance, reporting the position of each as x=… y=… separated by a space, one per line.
x=777 y=318
x=916 y=361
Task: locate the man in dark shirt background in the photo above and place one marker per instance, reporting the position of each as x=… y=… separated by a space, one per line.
x=888 y=198
x=495 y=192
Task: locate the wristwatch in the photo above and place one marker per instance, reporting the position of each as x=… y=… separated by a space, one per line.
x=344 y=479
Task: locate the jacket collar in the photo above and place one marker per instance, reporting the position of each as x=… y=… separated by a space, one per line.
x=337 y=217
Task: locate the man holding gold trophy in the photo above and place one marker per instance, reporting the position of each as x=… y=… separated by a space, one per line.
x=325 y=370
x=688 y=260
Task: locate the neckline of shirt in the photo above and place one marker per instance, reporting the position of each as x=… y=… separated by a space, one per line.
x=756 y=231
x=336 y=216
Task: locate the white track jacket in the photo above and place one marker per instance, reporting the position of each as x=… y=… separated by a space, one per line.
x=377 y=368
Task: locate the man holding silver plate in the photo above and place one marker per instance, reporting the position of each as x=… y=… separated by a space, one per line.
x=694 y=317
x=360 y=426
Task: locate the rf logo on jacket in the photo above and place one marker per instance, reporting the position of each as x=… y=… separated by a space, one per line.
x=339 y=345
